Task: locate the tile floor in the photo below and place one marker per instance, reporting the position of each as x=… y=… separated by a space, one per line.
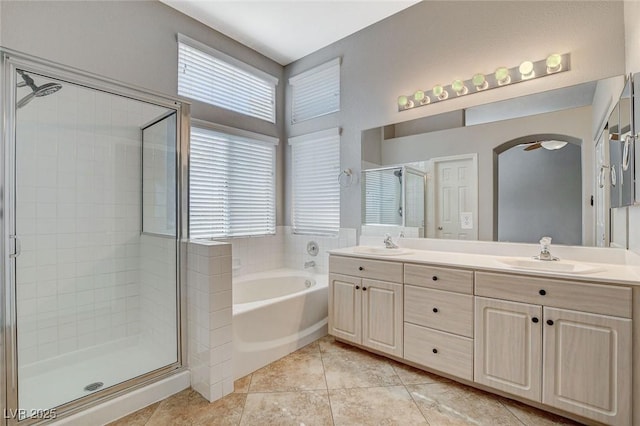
x=330 y=383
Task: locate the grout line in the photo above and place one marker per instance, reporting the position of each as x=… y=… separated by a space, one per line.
x=511 y=412
x=324 y=374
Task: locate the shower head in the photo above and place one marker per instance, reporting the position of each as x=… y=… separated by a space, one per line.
x=398 y=173
x=36 y=91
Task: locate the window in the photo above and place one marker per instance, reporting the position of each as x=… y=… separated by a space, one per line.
x=316 y=92
x=316 y=192
x=210 y=76
x=231 y=182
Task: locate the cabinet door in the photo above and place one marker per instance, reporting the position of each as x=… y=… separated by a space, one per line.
x=508 y=346
x=587 y=365
x=345 y=307
x=382 y=316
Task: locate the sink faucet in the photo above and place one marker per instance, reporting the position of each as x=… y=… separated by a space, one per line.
x=388 y=242
x=545 y=250
x=309 y=264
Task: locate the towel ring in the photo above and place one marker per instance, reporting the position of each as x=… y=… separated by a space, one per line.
x=345 y=178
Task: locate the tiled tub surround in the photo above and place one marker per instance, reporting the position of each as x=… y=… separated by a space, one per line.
x=209 y=315
x=330 y=383
x=548 y=312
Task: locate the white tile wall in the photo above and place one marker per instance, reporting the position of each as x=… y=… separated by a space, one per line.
x=296 y=255
x=209 y=312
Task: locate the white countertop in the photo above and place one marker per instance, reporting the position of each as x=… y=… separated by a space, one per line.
x=613 y=273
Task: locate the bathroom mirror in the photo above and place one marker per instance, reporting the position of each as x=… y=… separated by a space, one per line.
x=466 y=154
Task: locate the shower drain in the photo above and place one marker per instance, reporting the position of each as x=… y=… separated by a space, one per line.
x=93 y=386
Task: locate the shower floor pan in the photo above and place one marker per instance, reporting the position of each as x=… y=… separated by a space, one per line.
x=51 y=383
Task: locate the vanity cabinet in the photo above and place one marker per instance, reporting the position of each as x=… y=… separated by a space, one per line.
x=365 y=311
x=577 y=361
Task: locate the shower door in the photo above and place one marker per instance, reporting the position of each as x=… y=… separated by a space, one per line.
x=93 y=222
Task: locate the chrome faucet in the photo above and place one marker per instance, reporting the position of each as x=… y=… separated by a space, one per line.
x=545 y=250
x=388 y=242
x=309 y=264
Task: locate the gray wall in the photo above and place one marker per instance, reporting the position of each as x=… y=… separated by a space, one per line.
x=539 y=195
x=437 y=41
x=133 y=42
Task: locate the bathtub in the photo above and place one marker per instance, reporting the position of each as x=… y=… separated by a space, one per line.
x=275 y=313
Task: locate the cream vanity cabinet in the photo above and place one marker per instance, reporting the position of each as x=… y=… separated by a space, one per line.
x=438 y=318
x=365 y=303
x=563 y=343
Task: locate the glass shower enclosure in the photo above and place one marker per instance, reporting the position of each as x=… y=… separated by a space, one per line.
x=92 y=228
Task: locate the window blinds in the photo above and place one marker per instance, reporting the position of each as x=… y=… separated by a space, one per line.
x=316 y=92
x=210 y=76
x=382 y=198
x=316 y=192
x=231 y=185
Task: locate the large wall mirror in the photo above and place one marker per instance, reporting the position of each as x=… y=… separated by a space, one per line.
x=514 y=170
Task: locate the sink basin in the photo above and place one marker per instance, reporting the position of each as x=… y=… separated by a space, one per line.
x=381 y=251
x=563 y=266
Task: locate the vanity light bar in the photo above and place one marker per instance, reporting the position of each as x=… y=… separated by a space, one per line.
x=503 y=76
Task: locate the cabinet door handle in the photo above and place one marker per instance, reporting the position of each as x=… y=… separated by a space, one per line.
x=435 y=310
x=534 y=319
x=435 y=278
x=434 y=350
x=550 y=322
x=364 y=289
x=360 y=268
x=357 y=287
x=542 y=292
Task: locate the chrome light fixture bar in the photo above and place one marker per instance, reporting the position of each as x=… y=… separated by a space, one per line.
x=503 y=76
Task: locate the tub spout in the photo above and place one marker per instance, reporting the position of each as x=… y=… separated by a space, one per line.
x=309 y=264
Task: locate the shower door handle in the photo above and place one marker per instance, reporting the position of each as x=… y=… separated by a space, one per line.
x=18 y=247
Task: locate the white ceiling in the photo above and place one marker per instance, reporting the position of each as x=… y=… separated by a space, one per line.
x=288 y=30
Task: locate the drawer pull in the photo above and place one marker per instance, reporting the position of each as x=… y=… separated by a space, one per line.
x=435 y=310
x=435 y=351
x=364 y=289
x=542 y=292
x=360 y=268
x=434 y=278
x=534 y=319
x=550 y=322
x=357 y=287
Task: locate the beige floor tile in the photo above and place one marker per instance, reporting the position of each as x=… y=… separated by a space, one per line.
x=242 y=384
x=301 y=370
x=455 y=404
x=531 y=416
x=415 y=376
x=225 y=411
x=309 y=408
x=390 y=405
x=139 y=418
x=173 y=410
x=328 y=344
x=357 y=369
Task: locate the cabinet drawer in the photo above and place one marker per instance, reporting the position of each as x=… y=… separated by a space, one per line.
x=448 y=279
x=442 y=310
x=438 y=350
x=366 y=268
x=596 y=298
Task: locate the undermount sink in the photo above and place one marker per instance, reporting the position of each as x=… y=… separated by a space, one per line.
x=563 y=266
x=381 y=251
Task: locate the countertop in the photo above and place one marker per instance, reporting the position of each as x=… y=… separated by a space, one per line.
x=605 y=272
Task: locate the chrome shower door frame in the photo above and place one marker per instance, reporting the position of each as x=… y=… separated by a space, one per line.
x=9 y=62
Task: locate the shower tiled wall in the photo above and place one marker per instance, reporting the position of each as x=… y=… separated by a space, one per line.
x=78 y=220
x=296 y=248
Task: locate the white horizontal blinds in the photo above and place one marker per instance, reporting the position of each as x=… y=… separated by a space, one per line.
x=316 y=191
x=231 y=185
x=316 y=92
x=210 y=76
x=382 y=198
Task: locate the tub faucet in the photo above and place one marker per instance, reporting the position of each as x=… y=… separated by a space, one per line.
x=545 y=250
x=388 y=242
x=309 y=264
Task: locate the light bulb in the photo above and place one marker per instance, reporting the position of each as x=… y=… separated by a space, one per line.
x=421 y=98
x=526 y=70
x=439 y=92
x=403 y=101
x=459 y=87
x=479 y=81
x=502 y=76
x=554 y=63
